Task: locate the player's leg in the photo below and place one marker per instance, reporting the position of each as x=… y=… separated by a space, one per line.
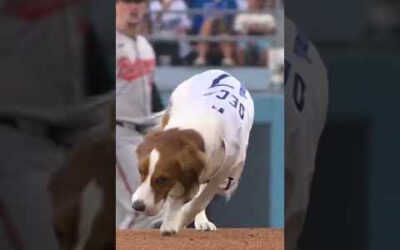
x=128 y=179
x=26 y=211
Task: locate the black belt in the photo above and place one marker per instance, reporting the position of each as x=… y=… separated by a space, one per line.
x=137 y=127
x=11 y=122
x=32 y=127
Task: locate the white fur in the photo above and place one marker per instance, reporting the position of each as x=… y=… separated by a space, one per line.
x=178 y=215
x=91 y=201
x=202 y=223
x=145 y=192
x=172 y=221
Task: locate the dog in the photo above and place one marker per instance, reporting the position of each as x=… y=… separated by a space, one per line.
x=199 y=151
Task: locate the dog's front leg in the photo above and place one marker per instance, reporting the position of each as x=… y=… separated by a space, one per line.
x=202 y=223
x=172 y=221
x=196 y=208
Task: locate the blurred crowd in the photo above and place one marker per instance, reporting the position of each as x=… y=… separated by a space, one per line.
x=212 y=32
x=383 y=24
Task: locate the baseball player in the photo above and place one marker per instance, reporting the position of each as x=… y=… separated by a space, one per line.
x=41 y=97
x=306 y=102
x=136 y=99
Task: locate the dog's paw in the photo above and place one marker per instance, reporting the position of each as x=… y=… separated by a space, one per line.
x=168 y=229
x=168 y=232
x=204 y=225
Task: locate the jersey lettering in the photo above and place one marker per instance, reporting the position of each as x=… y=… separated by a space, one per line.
x=235 y=102
x=298 y=92
x=216 y=82
x=241 y=111
x=299 y=88
x=223 y=94
x=223 y=97
x=301 y=45
x=230 y=179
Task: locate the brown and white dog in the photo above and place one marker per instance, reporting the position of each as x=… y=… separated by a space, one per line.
x=198 y=153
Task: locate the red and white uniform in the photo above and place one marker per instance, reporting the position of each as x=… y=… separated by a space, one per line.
x=135 y=64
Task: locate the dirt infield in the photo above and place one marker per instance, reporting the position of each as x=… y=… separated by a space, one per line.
x=190 y=239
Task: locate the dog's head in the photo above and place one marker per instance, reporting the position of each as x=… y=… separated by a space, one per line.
x=170 y=163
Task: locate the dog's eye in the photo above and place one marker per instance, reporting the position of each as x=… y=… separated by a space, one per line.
x=161 y=180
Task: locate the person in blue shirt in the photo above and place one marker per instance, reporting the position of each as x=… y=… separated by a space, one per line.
x=213 y=22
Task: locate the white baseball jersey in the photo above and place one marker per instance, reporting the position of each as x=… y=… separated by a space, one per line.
x=216 y=97
x=135 y=64
x=306 y=101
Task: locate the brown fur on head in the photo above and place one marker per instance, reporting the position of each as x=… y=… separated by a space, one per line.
x=179 y=166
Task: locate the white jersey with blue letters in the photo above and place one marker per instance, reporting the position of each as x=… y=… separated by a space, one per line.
x=219 y=97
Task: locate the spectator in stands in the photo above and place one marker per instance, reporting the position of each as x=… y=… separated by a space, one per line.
x=270 y=4
x=217 y=23
x=168 y=23
x=197 y=19
x=242 y=4
x=256 y=22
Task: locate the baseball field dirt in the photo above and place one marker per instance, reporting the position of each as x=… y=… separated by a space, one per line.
x=190 y=239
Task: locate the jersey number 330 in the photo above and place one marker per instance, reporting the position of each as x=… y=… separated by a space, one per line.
x=227 y=93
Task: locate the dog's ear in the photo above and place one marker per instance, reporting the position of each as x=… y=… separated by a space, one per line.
x=148 y=143
x=140 y=150
x=192 y=162
x=153 y=134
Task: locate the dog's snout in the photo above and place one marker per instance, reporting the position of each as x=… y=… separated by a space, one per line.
x=138 y=205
